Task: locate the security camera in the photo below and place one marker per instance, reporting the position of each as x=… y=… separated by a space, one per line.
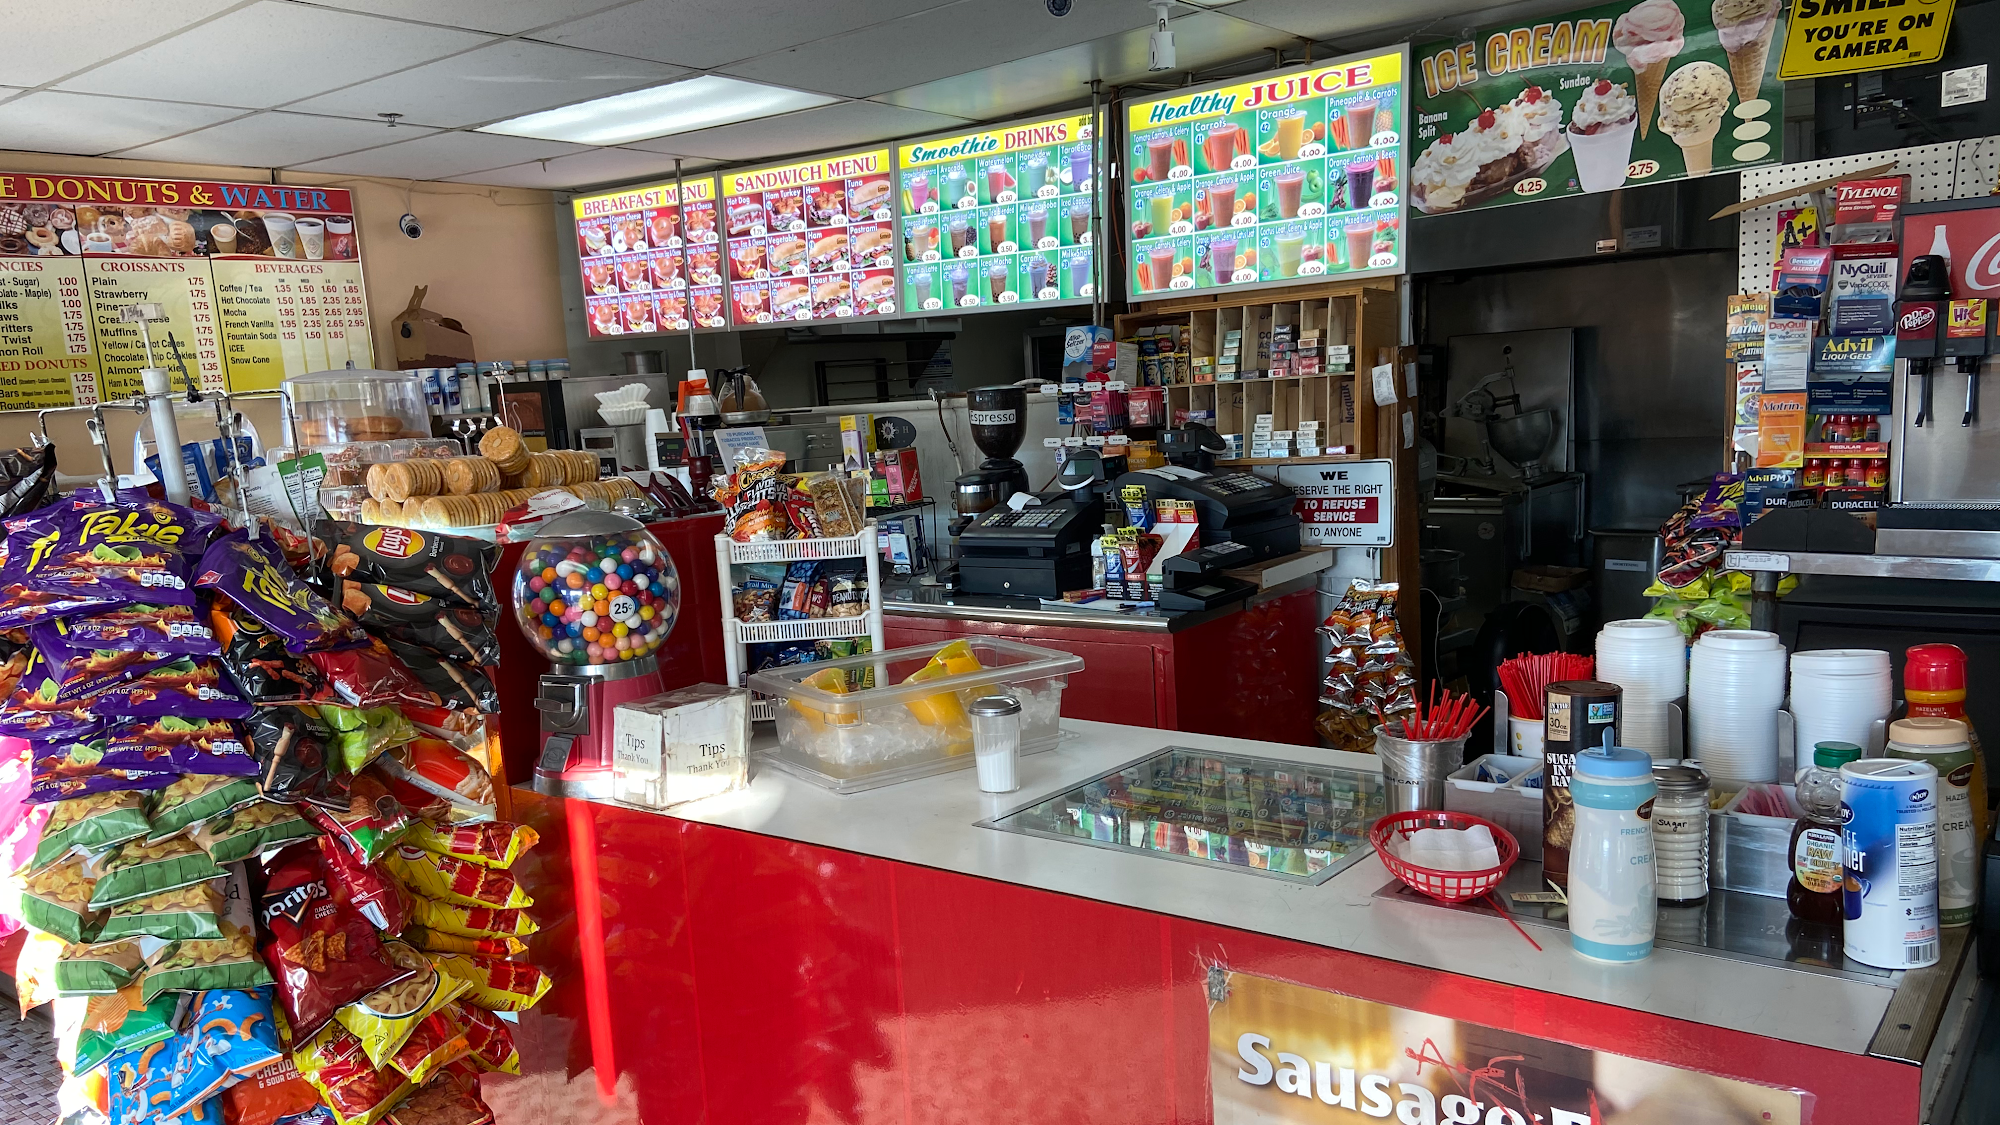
x=410 y=226
x=1161 y=57
x=1060 y=8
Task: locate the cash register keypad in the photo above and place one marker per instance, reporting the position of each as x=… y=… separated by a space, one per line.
x=1028 y=518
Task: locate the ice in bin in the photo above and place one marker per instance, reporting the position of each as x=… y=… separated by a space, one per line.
x=880 y=718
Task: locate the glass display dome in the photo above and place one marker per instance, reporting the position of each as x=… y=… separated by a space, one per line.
x=596 y=588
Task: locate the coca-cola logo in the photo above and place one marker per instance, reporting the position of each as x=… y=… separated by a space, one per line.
x=1982 y=270
x=1917 y=319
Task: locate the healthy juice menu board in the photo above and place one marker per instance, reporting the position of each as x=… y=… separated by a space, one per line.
x=813 y=240
x=640 y=249
x=1285 y=177
x=998 y=217
x=257 y=281
x=1591 y=100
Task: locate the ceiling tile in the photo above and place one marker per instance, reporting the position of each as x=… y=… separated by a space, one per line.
x=274 y=140
x=907 y=51
x=1380 y=23
x=89 y=33
x=78 y=123
x=586 y=169
x=505 y=17
x=1201 y=40
x=271 y=53
x=709 y=33
x=845 y=125
x=492 y=83
x=441 y=156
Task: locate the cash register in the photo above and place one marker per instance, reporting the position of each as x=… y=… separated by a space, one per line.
x=1037 y=545
x=1232 y=506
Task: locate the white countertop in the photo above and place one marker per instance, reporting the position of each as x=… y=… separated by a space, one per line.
x=932 y=822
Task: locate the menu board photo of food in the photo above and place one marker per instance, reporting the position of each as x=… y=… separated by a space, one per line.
x=258 y=282
x=1280 y=179
x=815 y=240
x=650 y=257
x=1600 y=98
x=998 y=217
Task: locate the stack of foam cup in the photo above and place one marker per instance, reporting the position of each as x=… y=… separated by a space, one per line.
x=1736 y=686
x=1837 y=694
x=1648 y=658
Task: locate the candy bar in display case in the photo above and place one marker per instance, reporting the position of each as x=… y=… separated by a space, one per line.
x=641 y=250
x=814 y=240
x=999 y=216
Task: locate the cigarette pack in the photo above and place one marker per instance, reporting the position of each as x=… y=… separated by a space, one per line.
x=857 y=441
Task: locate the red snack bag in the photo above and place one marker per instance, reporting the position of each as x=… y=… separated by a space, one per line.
x=371 y=823
x=357 y=1093
x=369 y=677
x=442 y=1103
x=450 y=879
x=495 y=843
x=489 y=1037
x=323 y=954
x=276 y=1091
x=437 y=1041
x=497 y=985
x=368 y=890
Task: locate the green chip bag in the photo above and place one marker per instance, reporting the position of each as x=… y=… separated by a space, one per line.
x=138 y=871
x=360 y=735
x=227 y=961
x=97 y=970
x=188 y=914
x=57 y=901
x=195 y=798
x=252 y=829
x=89 y=824
x=141 y=1027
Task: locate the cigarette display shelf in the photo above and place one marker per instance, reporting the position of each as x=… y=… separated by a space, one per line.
x=737 y=635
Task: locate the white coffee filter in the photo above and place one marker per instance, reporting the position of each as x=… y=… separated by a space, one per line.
x=1838 y=695
x=1736 y=686
x=1647 y=658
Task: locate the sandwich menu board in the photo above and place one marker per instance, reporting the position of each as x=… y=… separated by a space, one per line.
x=813 y=240
x=650 y=259
x=998 y=217
x=256 y=281
x=1636 y=92
x=1284 y=178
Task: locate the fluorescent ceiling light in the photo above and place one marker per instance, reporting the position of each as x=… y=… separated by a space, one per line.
x=677 y=107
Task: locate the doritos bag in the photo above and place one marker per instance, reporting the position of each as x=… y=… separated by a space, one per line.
x=323 y=954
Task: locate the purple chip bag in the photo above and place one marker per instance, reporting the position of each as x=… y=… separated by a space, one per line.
x=177 y=630
x=67 y=769
x=255 y=576
x=81 y=671
x=36 y=710
x=201 y=527
x=21 y=606
x=119 y=551
x=191 y=688
x=169 y=742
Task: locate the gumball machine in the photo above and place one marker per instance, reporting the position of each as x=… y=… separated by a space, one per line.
x=597 y=595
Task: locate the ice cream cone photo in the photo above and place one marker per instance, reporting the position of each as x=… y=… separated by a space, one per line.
x=1745 y=28
x=1692 y=102
x=1649 y=35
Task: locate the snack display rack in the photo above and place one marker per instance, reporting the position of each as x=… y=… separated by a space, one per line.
x=738 y=634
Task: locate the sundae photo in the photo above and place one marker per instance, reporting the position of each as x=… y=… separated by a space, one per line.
x=1503 y=145
x=1600 y=135
x=1649 y=36
x=1692 y=102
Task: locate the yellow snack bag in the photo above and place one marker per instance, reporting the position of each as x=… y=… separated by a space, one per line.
x=450 y=879
x=384 y=1019
x=470 y=921
x=497 y=985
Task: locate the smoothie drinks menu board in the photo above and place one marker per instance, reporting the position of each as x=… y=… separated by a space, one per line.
x=1591 y=100
x=1283 y=178
x=998 y=217
x=639 y=250
x=258 y=282
x=813 y=240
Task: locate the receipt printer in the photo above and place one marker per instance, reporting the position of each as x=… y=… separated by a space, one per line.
x=1194 y=579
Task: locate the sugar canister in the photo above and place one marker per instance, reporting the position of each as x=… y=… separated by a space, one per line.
x=1680 y=832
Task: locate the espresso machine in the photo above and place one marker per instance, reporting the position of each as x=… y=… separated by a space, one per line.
x=998 y=417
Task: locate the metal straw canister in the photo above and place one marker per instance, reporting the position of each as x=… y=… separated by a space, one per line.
x=1414 y=771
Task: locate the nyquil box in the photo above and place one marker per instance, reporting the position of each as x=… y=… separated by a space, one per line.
x=1864 y=288
x=681 y=746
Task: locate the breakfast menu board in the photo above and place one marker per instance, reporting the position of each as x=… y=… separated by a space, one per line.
x=640 y=249
x=257 y=282
x=999 y=216
x=1284 y=178
x=814 y=240
x=1596 y=99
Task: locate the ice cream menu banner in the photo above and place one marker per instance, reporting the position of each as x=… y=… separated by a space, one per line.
x=998 y=217
x=256 y=282
x=651 y=258
x=1597 y=99
x=814 y=240
x=1284 y=178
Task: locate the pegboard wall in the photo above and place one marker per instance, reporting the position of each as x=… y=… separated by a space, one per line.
x=1954 y=170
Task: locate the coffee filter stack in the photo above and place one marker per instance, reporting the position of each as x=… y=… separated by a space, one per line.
x=1647 y=657
x=1736 y=686
x=1837 y=696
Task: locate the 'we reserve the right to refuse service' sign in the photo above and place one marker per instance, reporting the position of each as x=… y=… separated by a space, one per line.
x=1344 y=504
x=1592 y=100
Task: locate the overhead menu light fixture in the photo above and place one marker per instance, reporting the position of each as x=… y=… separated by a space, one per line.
x=659 y=111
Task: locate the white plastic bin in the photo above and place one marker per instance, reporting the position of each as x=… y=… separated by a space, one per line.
x=1513 y=805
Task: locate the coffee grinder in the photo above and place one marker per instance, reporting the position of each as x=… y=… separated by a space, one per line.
x=998 y=417
x=597 y=594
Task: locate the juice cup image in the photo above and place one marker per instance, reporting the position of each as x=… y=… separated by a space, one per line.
x=996 y=280
x=1222 y=259
x=1079 y=166
x=1038 y=276
x=997 y=181
x=1078 y=268
x=1360 y=182
x=1160 y=261
x=996 y=231
x=1160 y=211
x=921 y=284
x=1159 y=157
x=1361 y=123
x=1291 y=134
x=1289 y=249
x=1219 y=146
x=1038 y=226
x=1360 y=234
x=961 y=234
x=1035 y=175
x=954 y=186
x=958 y=277
x=1079 y=222
x=1289 y=186
x=1221 y=204
x=920 y=190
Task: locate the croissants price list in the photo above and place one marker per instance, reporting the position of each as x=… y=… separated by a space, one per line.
x=185 y=292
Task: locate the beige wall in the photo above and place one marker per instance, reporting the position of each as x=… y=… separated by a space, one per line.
x=487 y=254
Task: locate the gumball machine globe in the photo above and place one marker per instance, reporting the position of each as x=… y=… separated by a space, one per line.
x=597 y=595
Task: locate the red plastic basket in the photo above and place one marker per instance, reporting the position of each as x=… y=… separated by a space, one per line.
x=1448 y=886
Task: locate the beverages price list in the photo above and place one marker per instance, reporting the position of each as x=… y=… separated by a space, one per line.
x=999 y=216
x=257 y=282
x=639 y=250
x=814 y=240
x=1286 y=178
